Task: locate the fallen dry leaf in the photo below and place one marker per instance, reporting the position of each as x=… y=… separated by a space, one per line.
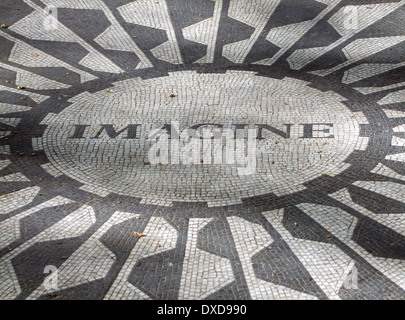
x=139 y=235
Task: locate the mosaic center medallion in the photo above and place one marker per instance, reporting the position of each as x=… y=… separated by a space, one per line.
x=103 y=139
x=202 y=150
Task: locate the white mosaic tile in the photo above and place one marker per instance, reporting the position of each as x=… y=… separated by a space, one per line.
x=249 y=239
x=90 y=262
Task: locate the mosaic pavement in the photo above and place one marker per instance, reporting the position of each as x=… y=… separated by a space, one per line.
x=86 y=214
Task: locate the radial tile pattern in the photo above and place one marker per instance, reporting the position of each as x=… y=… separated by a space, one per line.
x=101 y=198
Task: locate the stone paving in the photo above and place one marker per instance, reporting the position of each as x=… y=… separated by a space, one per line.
x=202 y=149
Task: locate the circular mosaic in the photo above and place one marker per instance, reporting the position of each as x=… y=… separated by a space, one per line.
x=202 y=149
x=106 y=139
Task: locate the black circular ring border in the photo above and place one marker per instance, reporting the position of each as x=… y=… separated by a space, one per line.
x=379 y=131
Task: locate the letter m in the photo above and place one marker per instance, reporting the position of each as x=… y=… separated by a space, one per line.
x=112 y=133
